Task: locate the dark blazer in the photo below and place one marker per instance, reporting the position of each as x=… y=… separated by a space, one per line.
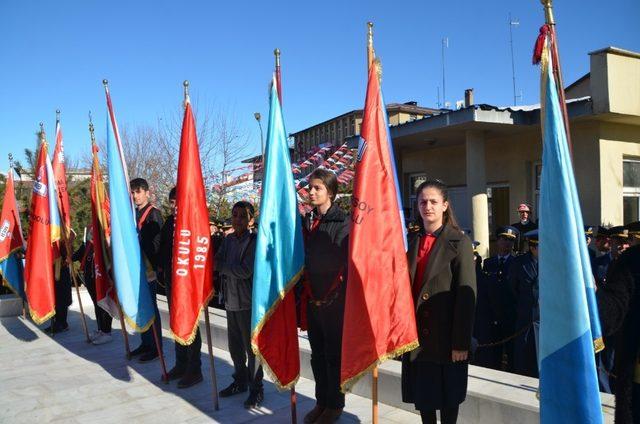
x=326 y=249
x=619 y=307
x=446 y=303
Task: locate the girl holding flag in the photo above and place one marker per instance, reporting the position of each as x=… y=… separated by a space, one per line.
x=326 y=230
x=443 y=278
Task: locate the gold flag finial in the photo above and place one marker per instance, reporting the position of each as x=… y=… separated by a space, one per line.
x=105 y=82
x=10 y=160
x=185 y=85
x=57 y=115
x=276 y=53
x=548 y=11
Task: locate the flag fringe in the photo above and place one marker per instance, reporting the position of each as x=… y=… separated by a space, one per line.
x=135 y=326
x=346 y=386
x=40 y=320
x=11 y=252
x=192 y=335
x=261 y=323
x=7 y=284
x=598 y=345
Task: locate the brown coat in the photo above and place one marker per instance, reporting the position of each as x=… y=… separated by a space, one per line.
x=445 y=308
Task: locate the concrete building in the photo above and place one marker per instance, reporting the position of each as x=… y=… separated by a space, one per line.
x=491 y=156
x=336 y=130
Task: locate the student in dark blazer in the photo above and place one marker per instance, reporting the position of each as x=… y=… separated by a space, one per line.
x=443 y=276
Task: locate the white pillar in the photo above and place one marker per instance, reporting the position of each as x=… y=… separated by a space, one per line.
x=477 y=189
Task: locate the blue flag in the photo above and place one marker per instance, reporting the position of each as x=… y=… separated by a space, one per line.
x=569 y=324
x=279 y=258
x=128 y=267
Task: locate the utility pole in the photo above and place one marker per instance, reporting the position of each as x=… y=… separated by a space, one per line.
x=513 y=23
x=445 y=44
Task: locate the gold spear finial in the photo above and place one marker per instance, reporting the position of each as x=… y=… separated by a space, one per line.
x=57 y=115
x=548 y=11
x=370 y=53
x=93 y=137
x=185 y=84
x=105 y=82
x=10 y=160
x=276 y=53
x=41 y=135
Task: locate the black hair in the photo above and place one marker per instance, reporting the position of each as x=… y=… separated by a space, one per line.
x=246 y=206
x=449 y=215
x=329 y=180
x=172 y=194
x=137 y=183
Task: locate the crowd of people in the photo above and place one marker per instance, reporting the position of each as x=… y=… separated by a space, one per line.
x=467 y=311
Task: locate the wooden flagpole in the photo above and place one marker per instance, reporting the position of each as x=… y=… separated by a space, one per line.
x=293 y=399
x=123 y=326
x=555 y=55
x=212 y=369
x=66 y=232
x=374 y=373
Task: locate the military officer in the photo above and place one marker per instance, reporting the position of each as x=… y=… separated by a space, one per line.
x=523 y=284
x=494 y=316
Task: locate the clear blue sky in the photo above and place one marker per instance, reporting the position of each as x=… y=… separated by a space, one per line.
x=55 y=55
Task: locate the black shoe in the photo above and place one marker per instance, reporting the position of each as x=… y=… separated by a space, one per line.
x=233 y=389
x=139 y=350
x=255 y=399
x=189 y=380
x=149 y=356
x=57 y=328
x=175 y=373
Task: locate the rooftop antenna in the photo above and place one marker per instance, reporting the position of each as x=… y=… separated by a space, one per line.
x=512 y=23
x=445 y=44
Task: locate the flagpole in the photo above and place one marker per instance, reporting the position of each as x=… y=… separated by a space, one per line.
x=276 y=53
x=292 y=391
x=66 y=232
x=212 y=369
x=550 y=21
x=123 y=326
x=374 y=371
x=24 y=310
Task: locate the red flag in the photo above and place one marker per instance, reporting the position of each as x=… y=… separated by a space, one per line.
x=379 y=319
x=191 y=273
x=39 y=261
x=61 y=181
x=106 y=296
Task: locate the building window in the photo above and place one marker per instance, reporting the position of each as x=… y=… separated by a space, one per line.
x=631 y=190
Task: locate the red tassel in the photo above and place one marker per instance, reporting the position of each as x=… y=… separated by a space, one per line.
x=537 y=50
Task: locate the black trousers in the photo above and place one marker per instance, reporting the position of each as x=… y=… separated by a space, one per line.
x=247 y=370
x=147 y=337
x=187 y=357
x=62 y=290
x=103 y=319
x=325 y=338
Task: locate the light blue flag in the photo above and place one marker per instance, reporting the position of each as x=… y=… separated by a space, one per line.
x=128 y=267
x=568 y=317
x=279 y=258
